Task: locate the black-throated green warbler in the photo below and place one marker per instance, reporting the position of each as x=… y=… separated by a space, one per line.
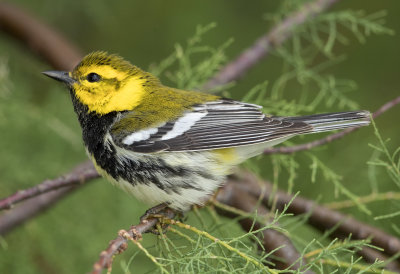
x=171 y=146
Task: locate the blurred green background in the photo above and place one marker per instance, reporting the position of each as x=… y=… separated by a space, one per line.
x=40 y=136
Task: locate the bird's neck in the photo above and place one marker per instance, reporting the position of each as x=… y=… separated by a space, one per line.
x=94 y=126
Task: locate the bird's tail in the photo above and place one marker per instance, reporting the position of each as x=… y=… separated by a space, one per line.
x=331 y=121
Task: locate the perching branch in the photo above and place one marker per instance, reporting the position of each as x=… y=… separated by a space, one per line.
x=119 y=244
x=331 y=137
x=230 y=195
x=263 y=45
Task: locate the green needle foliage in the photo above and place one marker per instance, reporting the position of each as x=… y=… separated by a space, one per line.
x=391 y=163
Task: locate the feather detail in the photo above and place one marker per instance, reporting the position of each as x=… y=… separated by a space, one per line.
x=226 y=123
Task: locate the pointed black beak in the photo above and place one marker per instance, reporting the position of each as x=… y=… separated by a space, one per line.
x=62 y=76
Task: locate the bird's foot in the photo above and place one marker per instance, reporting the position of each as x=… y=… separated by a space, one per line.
x=159 y=212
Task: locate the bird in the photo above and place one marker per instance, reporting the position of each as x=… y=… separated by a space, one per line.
x=170 y=147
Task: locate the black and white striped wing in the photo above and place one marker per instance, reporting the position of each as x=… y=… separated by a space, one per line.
x=218 y=124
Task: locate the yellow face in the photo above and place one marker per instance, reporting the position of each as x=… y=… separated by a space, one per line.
x=107 y=83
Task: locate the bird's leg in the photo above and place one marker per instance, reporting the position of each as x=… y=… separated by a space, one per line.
x=156 y=212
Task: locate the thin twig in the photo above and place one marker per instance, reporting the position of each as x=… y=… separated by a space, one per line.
x=374 y=197
x=353 y=266
x=119 y=244
x=386 y=107
x=368 y=254
x=220 y=242
x=126 y=235
x=262 y=46
x=331 y=137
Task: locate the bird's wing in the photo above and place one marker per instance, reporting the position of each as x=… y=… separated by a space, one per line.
x=217 y=124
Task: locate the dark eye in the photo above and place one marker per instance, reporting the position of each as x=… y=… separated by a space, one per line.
x=93 y=77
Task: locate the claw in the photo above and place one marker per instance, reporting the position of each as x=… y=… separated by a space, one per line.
x=154 y=212
x=158 y=211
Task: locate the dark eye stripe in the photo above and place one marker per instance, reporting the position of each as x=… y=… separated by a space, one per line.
x=93 y=77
